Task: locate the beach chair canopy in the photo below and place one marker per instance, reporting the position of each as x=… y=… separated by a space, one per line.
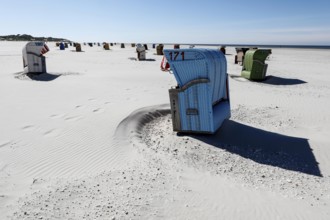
x=200 y=102
x=254 y=67
x=33 y=59
x=140 y=48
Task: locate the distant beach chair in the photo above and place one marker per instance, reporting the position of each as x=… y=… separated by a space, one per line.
x=159 y=49
x=141 y=52
x=62 y=46
x=122 y=45
x=223 y=49
x=254 y=67
x=200 y=101
x=239 y=58
x=106 y=46
x=133 y=44
x=111 y=44
x=176 y=46
x=90 y=44
x=33 y=59
x=153 y=46
x=66 y=45
x=78 y=47
x=145 y=46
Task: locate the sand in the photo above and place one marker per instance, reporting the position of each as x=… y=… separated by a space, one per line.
x=92 y=139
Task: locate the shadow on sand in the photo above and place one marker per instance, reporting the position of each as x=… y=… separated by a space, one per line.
x=264 y=147
x=274 y=80
x=43 y=76
x=133 y=58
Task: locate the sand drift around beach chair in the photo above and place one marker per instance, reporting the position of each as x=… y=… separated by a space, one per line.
x=254 y=66
x=200 y=102
x=33 y=59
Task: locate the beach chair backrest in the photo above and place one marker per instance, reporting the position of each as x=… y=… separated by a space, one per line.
x=191 y=64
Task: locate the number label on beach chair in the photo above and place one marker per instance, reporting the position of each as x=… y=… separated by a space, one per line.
x=176 y=55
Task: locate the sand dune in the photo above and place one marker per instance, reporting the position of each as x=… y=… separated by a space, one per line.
x=92 y=139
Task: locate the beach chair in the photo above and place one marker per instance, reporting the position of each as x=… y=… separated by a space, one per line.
x=145 y=46
x=62 y=46
x=200 y=101
x=122 y=45
x=33 y=59
x=223 y=49
x=106 y=46
x=141 y=52
x=254 y=67
x=159 y=49
x=78 y=47
x=239 y=58
x=133 y=44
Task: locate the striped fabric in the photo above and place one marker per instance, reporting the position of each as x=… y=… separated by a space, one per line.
x=44 y=49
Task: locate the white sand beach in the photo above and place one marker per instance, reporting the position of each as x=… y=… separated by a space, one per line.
x=92 y=139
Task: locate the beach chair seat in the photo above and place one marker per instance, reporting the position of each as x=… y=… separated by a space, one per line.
x=200 y=101
x=254 y=66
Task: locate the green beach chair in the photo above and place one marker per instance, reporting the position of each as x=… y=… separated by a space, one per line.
x=254 y=66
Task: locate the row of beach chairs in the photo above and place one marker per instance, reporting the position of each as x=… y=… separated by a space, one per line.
x=200 y=102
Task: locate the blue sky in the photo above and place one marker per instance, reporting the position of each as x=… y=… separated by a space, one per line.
x=171 y=21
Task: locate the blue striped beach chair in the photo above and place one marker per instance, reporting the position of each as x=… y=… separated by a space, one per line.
x=200 y=101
